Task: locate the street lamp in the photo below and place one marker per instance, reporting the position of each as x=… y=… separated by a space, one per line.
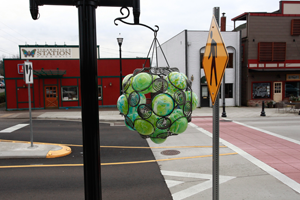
x=120 y=40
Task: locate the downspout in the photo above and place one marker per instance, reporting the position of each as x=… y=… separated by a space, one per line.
x=240 y=70
x=186 y=54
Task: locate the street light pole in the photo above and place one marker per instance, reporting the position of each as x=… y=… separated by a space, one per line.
x=120 y=41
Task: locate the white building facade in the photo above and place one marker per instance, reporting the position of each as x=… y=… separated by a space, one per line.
x=185 y=51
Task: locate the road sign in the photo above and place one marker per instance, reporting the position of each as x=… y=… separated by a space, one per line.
x=28 y=72
x=20 y=69
x=215 y=59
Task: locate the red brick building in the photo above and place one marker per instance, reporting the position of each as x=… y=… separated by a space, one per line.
x=57 y=78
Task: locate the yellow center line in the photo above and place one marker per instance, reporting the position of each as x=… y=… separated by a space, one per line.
x=122 y=147
x=116 y=163
x=6 y=115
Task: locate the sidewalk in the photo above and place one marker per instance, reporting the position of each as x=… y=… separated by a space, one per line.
x=23 y=150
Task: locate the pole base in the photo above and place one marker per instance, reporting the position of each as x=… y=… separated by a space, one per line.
x=224 y=114
x=263 y=114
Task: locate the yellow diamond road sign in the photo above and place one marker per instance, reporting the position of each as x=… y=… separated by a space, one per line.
x=215 y=60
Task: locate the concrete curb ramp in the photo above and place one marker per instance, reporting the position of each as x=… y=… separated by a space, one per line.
x=22 y=149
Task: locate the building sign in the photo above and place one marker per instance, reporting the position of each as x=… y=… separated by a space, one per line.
x=293 y=77
x=20 y=69
x=50 y=52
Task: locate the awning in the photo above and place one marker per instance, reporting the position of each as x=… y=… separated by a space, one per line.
x=274 y=70
x=49 y=73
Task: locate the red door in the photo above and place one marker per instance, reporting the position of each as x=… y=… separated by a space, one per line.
x=51 y=97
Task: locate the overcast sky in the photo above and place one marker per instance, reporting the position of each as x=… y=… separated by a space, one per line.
x=59 y=24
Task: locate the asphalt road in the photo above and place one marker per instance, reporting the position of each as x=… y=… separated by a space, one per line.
x=55 y=181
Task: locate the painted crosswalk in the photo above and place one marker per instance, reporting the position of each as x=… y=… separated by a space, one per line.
x=13 y=128
x=204 y=182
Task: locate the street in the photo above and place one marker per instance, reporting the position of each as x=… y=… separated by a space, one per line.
x=50 y=179
x=259 y=159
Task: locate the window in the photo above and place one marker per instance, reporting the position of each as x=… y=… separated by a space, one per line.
x=99 y=92
x=230 y=60
x=295 y=27
x=261 y=90
x=69 y=93
x=292 y=89
x=201 y=59
x=271 y=51
x=228 y=90
x=277 y=89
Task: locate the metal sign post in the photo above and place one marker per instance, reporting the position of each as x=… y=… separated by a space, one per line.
x=216 y=149
x=215 y=60
x=28 y=76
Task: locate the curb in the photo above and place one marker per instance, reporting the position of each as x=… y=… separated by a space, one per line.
x=64 y=151
x=59 y=150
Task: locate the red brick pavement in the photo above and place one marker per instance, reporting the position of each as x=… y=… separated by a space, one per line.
x=282 y=155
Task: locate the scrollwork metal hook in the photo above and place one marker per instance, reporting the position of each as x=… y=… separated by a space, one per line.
x=155 y=30
x=125 y=17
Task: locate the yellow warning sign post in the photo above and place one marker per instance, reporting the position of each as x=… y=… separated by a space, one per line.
x=215 y=60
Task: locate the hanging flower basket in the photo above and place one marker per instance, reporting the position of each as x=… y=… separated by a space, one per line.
x=172 y=99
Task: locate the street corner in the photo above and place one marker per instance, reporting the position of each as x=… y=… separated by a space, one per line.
x=59 y=151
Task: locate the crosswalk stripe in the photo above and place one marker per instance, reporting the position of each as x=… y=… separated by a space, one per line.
x=13 y=128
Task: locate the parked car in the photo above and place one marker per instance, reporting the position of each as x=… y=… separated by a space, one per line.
x=2 y=85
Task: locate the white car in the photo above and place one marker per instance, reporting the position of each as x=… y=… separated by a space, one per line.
x=2 y=85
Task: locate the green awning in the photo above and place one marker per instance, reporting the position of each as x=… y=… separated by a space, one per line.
x=49 y=73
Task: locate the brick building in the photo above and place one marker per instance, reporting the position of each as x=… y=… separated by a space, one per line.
x=56 y=73
x=270 y=54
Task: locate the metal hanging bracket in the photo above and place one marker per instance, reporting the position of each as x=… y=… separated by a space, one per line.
x=155 y=43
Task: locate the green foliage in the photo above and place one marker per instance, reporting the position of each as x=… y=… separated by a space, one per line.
x=293 y=98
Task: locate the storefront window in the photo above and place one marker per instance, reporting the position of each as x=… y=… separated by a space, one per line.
x=261 y=90
x=69 y=93
x=292 y=89
x=99 y=92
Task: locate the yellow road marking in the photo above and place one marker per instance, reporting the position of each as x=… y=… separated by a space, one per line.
x=117 y=163
x=123 y=147
x=167 y=147
x=167 y=159
x=6 y=115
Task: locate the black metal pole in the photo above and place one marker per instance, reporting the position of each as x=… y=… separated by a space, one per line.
x=263 y=114
x=89 y=99
x=120 y=68
x=223 y=96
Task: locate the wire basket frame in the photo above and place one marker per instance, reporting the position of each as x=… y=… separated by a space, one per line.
x=171 y=97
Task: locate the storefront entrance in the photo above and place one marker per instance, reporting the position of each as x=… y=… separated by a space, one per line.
x=277 y=96
x=204 y=96
x=51 y=97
